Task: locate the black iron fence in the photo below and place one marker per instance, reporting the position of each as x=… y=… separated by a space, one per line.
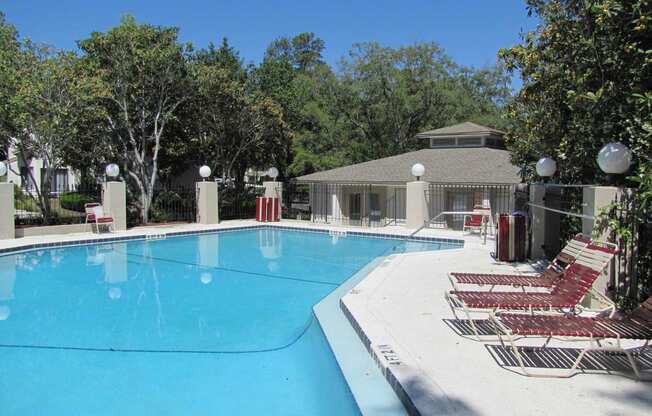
x=443 y=199
x=66 y=206
x=238 y=203
x=174 y=204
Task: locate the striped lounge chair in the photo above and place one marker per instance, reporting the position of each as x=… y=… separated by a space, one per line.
x=547 y=279
x=576 y=282
x=603 y=334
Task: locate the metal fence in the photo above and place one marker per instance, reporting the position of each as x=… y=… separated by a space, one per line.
x=454 y=197
x=174 y=204
x=366 y=205
x=238 y=203
x=65 y=206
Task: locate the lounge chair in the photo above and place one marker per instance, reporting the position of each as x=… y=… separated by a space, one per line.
x=576 y=282
x=635 y=326
x=547 y=279
x=95 y=215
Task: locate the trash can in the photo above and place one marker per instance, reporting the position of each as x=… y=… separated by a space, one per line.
x=511 y=238
x=268 y=209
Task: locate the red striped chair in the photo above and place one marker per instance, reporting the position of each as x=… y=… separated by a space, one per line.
x=547 y=279
x=95 y=215
x=475 y=222
x=576 y=283
x=597 y=330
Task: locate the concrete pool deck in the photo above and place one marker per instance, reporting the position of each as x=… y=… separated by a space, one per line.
x=401 y=312
x=399 y=309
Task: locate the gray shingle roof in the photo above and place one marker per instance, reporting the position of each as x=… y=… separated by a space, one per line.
x=462 y=129
x=446 y=165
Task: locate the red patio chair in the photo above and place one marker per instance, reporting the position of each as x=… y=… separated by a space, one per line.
x=547 y=279
x=95 y=215
x=475 y=222
x=576 y=282
x=635 y=326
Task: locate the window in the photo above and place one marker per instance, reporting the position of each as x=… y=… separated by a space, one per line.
x=442 y=142
x=469 y=141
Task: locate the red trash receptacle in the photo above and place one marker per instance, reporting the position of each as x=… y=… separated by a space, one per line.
x=511 y=238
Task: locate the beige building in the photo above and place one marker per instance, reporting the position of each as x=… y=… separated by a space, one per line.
x=465 y=164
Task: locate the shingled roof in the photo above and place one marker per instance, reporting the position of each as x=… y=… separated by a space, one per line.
x=463 y=129
x=477 y=165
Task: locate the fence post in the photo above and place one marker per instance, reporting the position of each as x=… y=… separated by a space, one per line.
x=7 y=228
x=537 y=195
x=274 y=189
x=114 y=201
x=594 y=199
x=416 y=205
x=208 y=210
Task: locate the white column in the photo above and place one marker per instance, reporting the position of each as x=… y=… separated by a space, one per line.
x=416 y=208
x=274 y=189
x=537 y=194
x=7 y=229
x=208 y=211
x=596 y=198
x=114 y=202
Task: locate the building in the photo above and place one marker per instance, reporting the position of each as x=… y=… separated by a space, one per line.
x=28 y=175
x=465 y=164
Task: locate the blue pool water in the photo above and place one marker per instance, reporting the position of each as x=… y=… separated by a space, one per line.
x=212 y=324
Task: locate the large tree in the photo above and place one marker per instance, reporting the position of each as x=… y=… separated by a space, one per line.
x=144 y=69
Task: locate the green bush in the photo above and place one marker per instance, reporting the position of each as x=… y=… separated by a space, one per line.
x=75 y=201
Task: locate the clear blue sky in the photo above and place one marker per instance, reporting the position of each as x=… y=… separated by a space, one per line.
x=471 y=31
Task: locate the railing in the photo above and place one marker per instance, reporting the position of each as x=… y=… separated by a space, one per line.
x=174 y=204
x=238 y=203
x=366 y=205
x=66 y=206
x=456 y=197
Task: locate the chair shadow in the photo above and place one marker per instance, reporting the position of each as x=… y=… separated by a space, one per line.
x=462 y=327
x=555 y=358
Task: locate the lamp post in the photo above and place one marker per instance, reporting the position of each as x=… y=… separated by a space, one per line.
x=418 y=170
x=272 y=173
x=614 y=159
x=204 y=172
x=546 y=167
x=112 y=170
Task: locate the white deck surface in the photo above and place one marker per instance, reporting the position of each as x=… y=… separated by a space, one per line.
x=401 y=304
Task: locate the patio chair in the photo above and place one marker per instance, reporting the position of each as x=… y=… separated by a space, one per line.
x=95 y=216
x=576 y=282
x=603 y=334
x=547 y=279
x=476 y=222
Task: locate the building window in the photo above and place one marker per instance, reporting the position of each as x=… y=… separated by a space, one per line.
x=469 y=141
x=442 y=142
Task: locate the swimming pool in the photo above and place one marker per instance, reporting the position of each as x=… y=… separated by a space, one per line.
x=215 y=323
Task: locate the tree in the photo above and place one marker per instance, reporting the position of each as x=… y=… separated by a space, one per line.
x=10 y=57
x=52 y=100
x=144 y=69
x=236 y=125
x=587 y=81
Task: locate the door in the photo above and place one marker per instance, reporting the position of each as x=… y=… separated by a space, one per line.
x=355 y=207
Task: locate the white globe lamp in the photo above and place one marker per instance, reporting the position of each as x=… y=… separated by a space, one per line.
x=272 y=173
x=115 y=293
x=546 y=167
x=418 y=170
x=204 y=172
x=112 y=170
x=3 y=169
x=206 y=278
x=615 y=158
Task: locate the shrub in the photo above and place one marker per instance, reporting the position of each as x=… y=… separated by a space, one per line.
x=74 y=201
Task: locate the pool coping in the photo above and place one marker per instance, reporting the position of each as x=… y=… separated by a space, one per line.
x=369 y=387
x=116 y=237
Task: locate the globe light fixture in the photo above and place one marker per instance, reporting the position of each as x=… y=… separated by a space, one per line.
x=272 y=173
x=418 y=170
x=546 y=167
x=5 y=312
x=112 y=170
x=204 y=172
x=614 y=158
x=3 y=169
x=115 y=293
x=206 y=278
